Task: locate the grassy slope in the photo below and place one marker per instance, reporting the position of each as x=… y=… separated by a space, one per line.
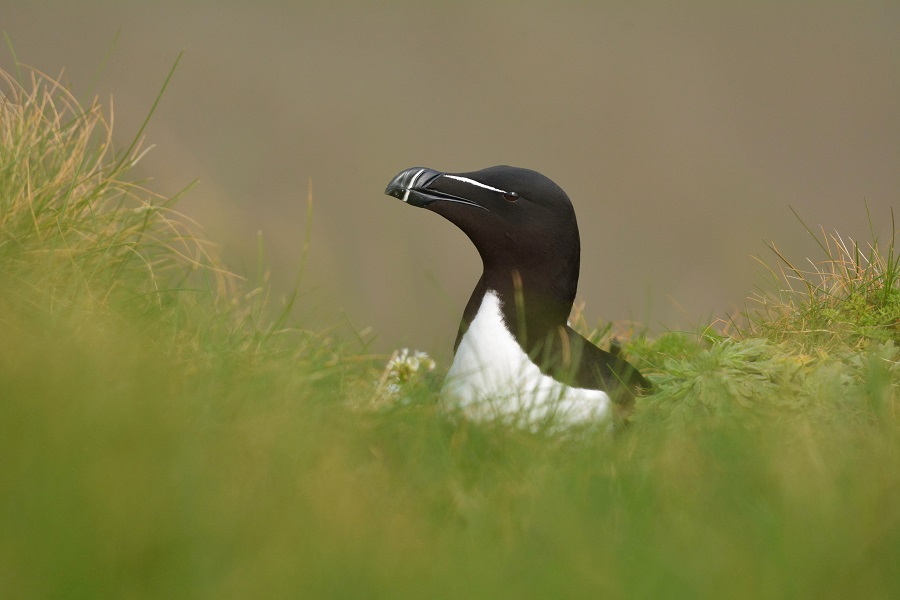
x=159 y=438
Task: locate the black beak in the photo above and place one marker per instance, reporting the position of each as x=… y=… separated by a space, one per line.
x=414 y=186
x=410 y=186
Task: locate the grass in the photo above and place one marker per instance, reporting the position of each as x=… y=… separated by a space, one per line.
x=160 y=436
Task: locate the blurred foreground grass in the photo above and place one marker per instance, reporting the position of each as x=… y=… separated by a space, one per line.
x=160 y=437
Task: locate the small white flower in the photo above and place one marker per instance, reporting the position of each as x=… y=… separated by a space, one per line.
x=402 y=368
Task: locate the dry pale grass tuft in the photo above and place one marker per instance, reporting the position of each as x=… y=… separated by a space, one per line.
x=73 y=223
x=849 y=297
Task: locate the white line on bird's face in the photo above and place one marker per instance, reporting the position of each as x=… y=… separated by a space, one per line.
x=477 y=183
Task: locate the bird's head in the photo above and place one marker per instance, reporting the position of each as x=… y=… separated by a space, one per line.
x=513 y=216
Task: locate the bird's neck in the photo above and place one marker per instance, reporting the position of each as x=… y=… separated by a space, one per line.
x=534 y=304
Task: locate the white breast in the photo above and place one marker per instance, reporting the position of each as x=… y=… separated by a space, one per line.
x=492 y=378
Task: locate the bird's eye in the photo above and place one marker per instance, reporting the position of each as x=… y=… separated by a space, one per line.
x=510 y=196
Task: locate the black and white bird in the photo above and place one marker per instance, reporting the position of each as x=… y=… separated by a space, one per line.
x=516 y=358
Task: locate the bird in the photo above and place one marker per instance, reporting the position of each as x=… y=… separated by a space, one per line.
x=516 y=358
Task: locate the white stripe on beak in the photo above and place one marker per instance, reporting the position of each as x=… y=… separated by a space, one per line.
x=411 y=184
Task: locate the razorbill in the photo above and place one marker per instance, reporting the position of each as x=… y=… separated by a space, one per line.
x=516 y=358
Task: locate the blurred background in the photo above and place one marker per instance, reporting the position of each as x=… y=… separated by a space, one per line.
x=683 y=132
